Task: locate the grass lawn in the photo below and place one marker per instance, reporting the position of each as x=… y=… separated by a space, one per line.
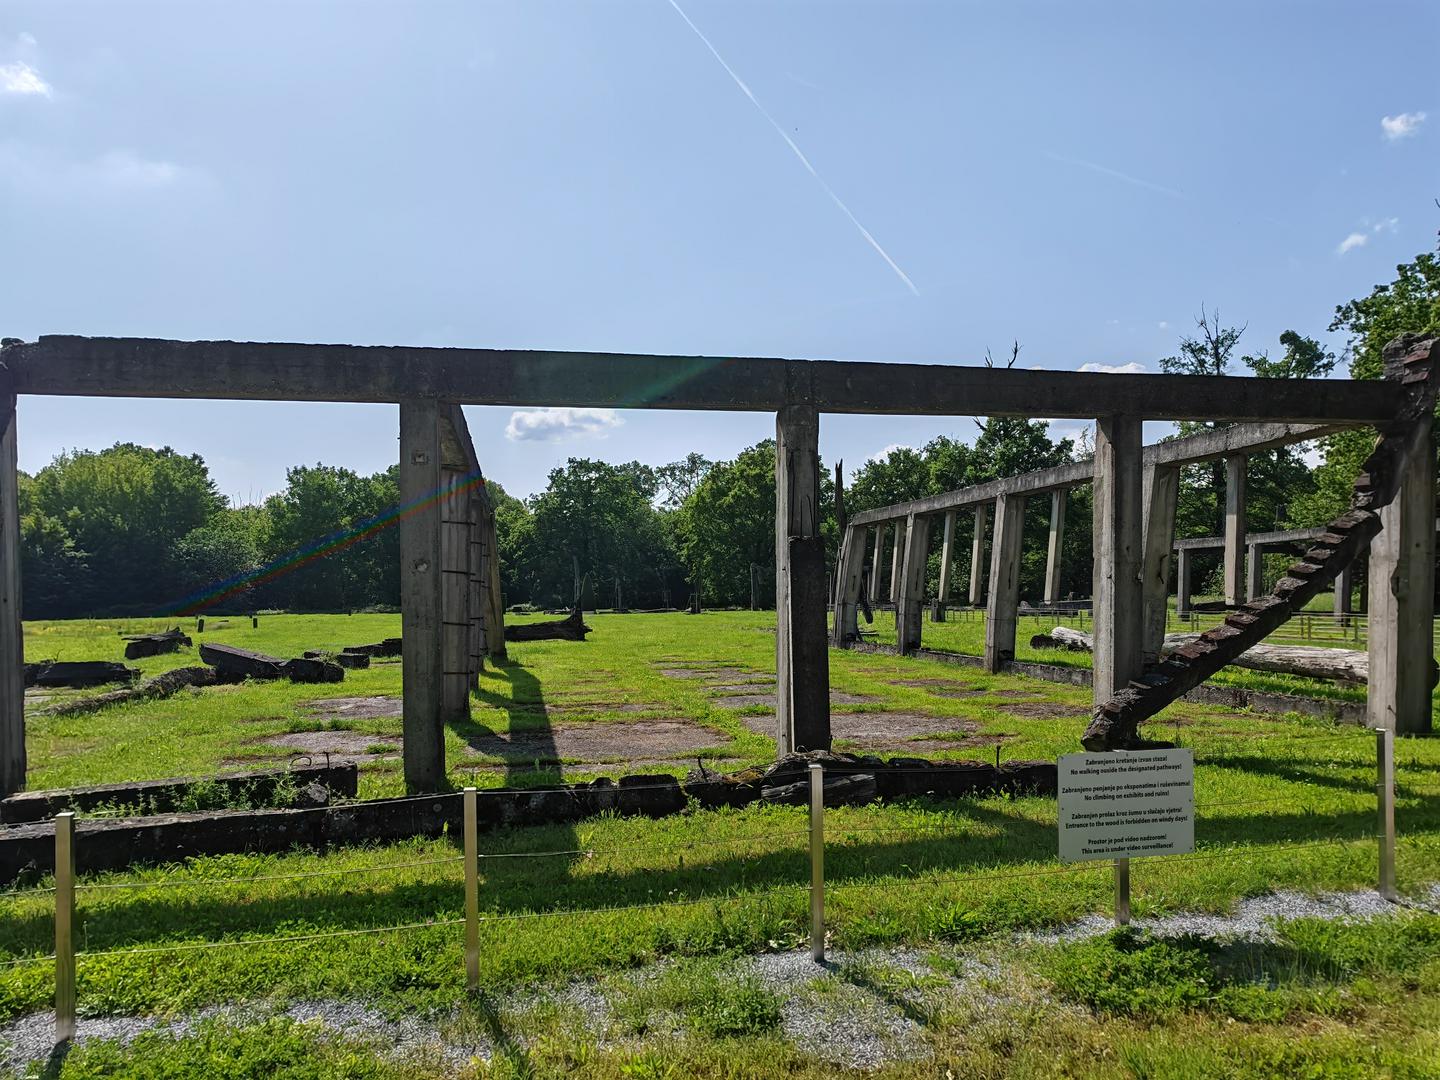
x=1283 y=803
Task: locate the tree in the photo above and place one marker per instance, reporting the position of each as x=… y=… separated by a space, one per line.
x=730 y=524
x=601 y=515
x=679 y=479
x=220 y=560
x=120 y=511
x=899 y=474
x=1410 y=303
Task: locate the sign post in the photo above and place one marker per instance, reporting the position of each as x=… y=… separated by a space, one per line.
x=1126 y=804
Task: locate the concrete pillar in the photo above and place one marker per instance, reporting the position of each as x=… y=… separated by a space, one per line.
x=454 y=596
x=1182 y=583
x=1344 y=593
x=911 y=604
x=1254 y=571
x=1402 y=597
x=12 y=631
x=802 y=656
x=475 y=585
x=494 y=597
x=1119 y=539
x=421 y=606
x=897 y=560
x=1057 y=542
x=1002 y=607
x=977 y=557
x=847 y=590
x=1235 y=530
x=1160 y=494
x=875 y=574
x=947 y=554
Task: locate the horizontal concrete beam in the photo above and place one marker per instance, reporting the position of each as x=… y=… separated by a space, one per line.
x=150 y=367
x=1261 y=539
x=1206 y=446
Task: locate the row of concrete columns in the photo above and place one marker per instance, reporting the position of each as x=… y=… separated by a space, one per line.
x=1134 y=542
x=979 y=572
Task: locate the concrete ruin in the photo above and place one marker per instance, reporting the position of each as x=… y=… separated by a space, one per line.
x=450 y=591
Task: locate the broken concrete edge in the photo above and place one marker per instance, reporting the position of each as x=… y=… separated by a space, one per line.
x=1233 y=697
x=340 y=778
x=105 y=844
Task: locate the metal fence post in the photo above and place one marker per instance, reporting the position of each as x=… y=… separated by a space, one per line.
x=472 y=893
x=1385 y=800
x=1122 y=892
x=817 y=862
x=64 y=927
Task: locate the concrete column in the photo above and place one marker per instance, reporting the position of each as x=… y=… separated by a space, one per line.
x=1182 y=583
x=1160 y=493
x=1057 y=542
x=454 y=596
x=802 y=656
x=494 y=597
x=475 y=585
x=977 y=557
x=1235 y=530
x=847 y=591
x=12 y=631
x=1344 y=592
x=1402 y=597
x=911 y=604
x=1254 y=571
x=897 y=561
x=1119 y=540
x=947 y=554
x=875 y=574
x=421 y=607
x=1002 y=607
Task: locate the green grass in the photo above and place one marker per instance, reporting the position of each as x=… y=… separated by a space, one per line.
x=1272 y=794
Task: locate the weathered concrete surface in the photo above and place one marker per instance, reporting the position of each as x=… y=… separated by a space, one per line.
x=12 y=635
x=850 y=580
x=1004 y=598
x=947 y=557
x=1056 y=546
x=161 y=796
x=420 y=594
x=802 y=648
x=978 y=569
x=149 y=367
x=1119 y=544
x=82 y=673
x=909 y=612
x=1402 y=597
x=1161 y=492
x=229 y=660
x=1234 y=576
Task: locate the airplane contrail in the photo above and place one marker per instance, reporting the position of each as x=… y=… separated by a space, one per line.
x=797 y=151
x=1116 y=173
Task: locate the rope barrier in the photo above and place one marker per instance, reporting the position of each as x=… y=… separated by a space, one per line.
x=196 y=946
x=196 y=883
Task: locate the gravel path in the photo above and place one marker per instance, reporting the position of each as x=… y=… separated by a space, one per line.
x=858 y=1010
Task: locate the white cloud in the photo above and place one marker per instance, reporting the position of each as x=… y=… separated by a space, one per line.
x=881 y=455
x=553 y=425
x=1399 y=127
x=1163 y=325
x=26 y=39
x=20 y=78
x=1132 y=368
x=125 y=168
x=1388 y=224
x=1354 y=240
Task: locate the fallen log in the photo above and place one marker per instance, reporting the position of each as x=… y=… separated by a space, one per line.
x=388 y=647
x=234 y=661
x=161 y=686
x=304 y=669
x=1339 y=665
x=142 y=645
x=570 y=628
x=82 y=673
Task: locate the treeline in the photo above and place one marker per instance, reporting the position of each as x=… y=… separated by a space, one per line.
x=134 y=530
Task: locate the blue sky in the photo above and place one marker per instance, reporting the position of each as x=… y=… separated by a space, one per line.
x=587 y=175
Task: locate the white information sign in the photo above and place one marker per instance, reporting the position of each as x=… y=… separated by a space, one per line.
x=1126 y=804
